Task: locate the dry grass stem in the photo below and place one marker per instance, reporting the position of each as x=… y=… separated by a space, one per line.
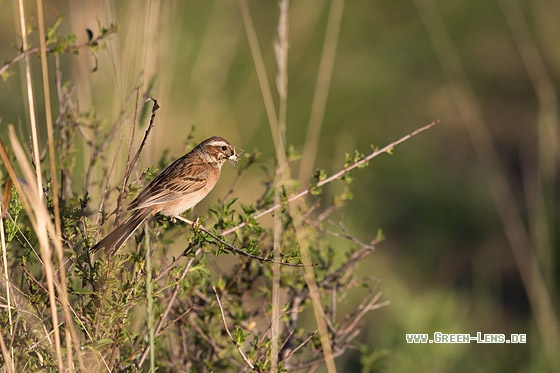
x=30 y=100
x=71 y=335
x=282 y=173
x=321 y=92
x=41 y=224
x=159 y=326
x=7 y=281
x=261 y=71
x=8 y=361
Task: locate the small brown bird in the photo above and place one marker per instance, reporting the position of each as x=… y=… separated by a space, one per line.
x=176 y=189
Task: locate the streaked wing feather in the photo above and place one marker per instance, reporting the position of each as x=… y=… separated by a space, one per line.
x=176 y=181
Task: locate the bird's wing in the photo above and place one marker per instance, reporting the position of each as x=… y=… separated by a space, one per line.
x=176 y=181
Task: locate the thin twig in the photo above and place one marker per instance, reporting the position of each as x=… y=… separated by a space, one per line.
x=338 y=175
x=155 y=107
x=228 y=332
x=315 y=361
x=99 y=150
x=234 y=249
x=170 y=324
x=286 y=349
x=175 y=261
x=105 y=191
x=298 y=347
x=130 y=163
x=362 y=310
x=69 y=50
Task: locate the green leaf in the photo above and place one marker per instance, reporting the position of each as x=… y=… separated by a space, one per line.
x=51 y=30
x=248 y=209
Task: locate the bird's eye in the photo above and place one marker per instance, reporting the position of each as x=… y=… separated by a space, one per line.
x=224 y=148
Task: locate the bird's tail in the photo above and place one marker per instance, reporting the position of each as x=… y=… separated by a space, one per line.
x=114 y=240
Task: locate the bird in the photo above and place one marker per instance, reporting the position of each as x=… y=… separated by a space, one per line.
x=178 y=188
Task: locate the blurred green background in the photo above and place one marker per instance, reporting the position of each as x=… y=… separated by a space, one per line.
x=480 y=67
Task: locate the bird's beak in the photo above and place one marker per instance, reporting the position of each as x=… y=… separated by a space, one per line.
x=233 y=159
x=235 y=156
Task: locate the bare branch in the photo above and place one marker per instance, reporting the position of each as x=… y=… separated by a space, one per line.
x=131 y=163
x=228 y=332
x=338 y=175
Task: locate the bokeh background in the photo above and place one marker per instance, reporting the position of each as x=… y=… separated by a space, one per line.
x=469 y=209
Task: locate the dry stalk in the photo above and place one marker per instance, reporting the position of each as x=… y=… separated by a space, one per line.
x=321 y=92
x=42 y=225
x=282 y=174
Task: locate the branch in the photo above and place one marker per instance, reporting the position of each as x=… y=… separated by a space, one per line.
x=131 y=163
x=228 y=332
x=70 y=49
x=338 y=175
x=232 y=248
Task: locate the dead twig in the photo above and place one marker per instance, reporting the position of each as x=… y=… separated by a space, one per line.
x=130 y=163
x=228 y=332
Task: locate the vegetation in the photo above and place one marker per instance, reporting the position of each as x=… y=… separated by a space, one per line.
x=281 y=273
